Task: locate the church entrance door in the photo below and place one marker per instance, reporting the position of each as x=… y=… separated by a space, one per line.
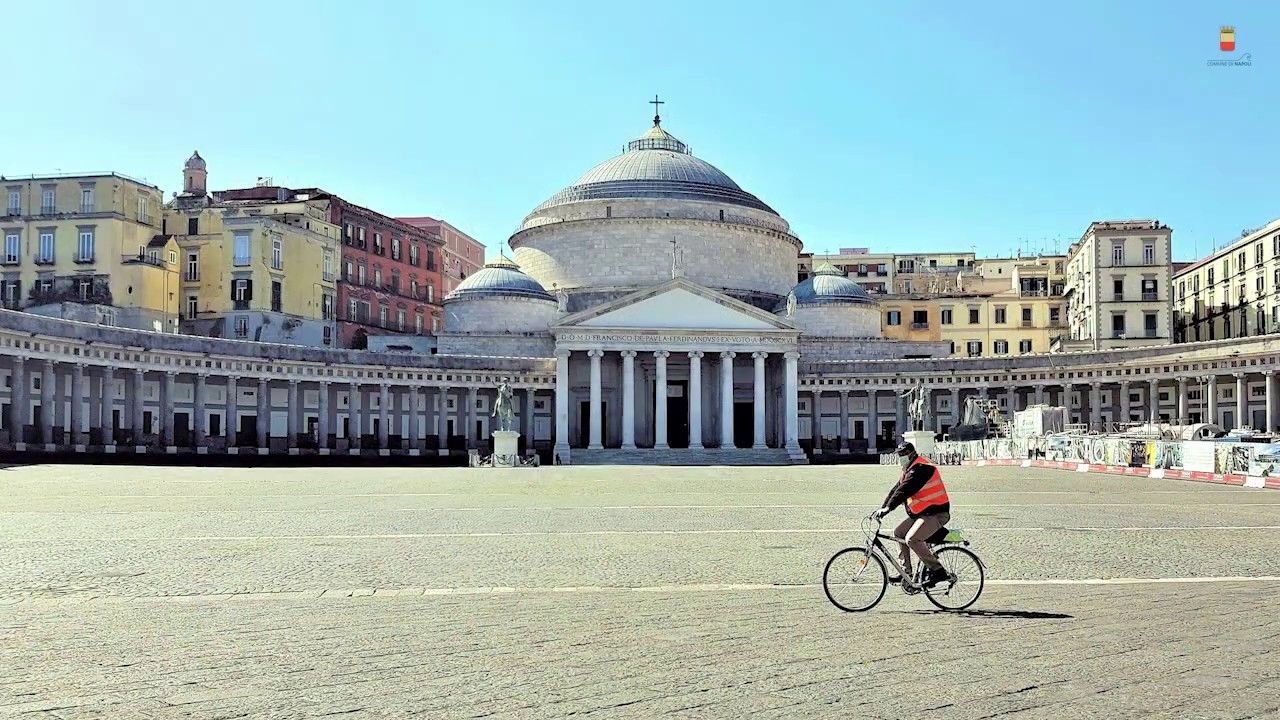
x=584 y=423
x=744 y=424
x=678 y=414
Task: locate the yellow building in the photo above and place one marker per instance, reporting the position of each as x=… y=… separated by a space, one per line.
x=257 y=263
x=88 y=247
x=1235 y=292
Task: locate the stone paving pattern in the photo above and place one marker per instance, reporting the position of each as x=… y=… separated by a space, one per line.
x=161 y=592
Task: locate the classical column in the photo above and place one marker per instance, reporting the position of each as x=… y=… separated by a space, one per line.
x=873 y=421
x=106 y=423
x=232 y=409
x=955 y=407
x=791 y=390
x=199 y=418
x=660 y=401
x=629 y=399
x=562 y=402
x=384 y=417
x=726 y=398
x=138 y=388
x=695 y=399
x=1268 y=377
x=78 y=402
x=1095 y=406
x=1212 y=392
x=166 y=408
x=758 y=440
x=46 y=402
x=59 y=389
x=1011 y=400
x=846 y=437
x=264 y=414
x=900 y=416
x=1182 y=399
x=293 y=412
x=1124 y=401
x=1242 y=401
x=815 y=421
x=530 y=395
x=322 y=422
x=18 y=401
x=470 y=416
x=411 y=407
x=355 y=425
x=593 y=437
x=1153 y=399
x=1040 y=394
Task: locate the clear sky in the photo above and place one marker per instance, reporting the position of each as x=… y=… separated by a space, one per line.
x=905 y=126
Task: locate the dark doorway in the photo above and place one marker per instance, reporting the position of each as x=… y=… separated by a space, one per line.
x=584 y=422
x=248 y=435
x=744 y=424
x=181 y=429
x=678 y=414
x=313 y=429
x=215 y=426
x=146 y=423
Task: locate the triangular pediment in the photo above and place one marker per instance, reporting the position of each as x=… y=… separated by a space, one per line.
x=677 y=304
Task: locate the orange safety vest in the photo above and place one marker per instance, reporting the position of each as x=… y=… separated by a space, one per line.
x=932 y=493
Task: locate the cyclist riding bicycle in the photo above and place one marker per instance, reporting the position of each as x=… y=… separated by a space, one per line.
x=928 y=508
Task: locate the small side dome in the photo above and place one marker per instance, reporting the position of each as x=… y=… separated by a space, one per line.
x=195 y=162
x=499 y=278
x=828 y=286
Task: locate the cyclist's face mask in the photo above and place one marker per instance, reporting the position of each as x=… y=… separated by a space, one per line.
x=904 y=460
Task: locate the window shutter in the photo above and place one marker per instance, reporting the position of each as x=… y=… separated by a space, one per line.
x=248 y=290
x=233 y=290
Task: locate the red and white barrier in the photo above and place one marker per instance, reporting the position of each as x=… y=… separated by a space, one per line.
x=1250 y=481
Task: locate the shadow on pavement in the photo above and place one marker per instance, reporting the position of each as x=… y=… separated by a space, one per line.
x=1014 y=614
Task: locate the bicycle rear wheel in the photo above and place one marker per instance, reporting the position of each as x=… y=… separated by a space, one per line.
x=854 y=581
x=967 y=579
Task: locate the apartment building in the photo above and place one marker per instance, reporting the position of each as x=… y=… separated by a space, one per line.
x=1235 y=292
x=462 y=254
x=1118 y=286
x=88 y=247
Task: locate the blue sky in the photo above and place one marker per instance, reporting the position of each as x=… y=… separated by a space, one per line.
x=900 y=126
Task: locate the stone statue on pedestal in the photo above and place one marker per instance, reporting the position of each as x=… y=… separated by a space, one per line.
x=503 y=408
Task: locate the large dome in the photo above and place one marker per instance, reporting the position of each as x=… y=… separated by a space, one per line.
x=656 y=165
x=827 y=285
x=499 y=278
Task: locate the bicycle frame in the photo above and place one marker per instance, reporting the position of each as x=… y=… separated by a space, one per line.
x=871 y=531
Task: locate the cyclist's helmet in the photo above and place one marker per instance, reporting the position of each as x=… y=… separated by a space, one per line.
x=906 y=448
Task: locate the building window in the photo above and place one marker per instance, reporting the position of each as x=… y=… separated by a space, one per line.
x=83 y=287
x=395 y=248
x=377 y=243
x=1117 y=254
x=895 y=317
x=193 y=225
x=382 y=315
x=974 y=348
x=13 y=248
x=395 y=281
x=1149 y=291
x=417 y=323
x=1000 y=316
x=1026 y=316
x=1261 y=327
x=348 y=270
x=44 y=253
x=435 y=324
x=144 y=210
x=192 y=306
x=413 y=253
x=400 y=320
x=919 y=319
x=1024 y=346
x=328 y=265
x=361 y=274
x=85 y=249
x=413 y=287
x=360 y=238
x=973 y=316
x=1257 y=254
x=431 y=259
x=353 y=309
x=946 y=316
x=277 y=295
x=242 y=326
x=1117 y=325
x=377 y=277
x=47 y=200
x=328 y=335
x=326 y=306
x=1226 y=327
x=193 y=265
x=1055 y=316
x=277 y=254
x=1182 y=290
x=1001 y=347
x=1117 y=288
x=86 y=200
x=1240 y=261
x=12 y=293
x=15 y=207
x=241 y=290
x=1149 y=324
x=1148 y=253
x=241 y=257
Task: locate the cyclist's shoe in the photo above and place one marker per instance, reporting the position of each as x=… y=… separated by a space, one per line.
x=934 y=577
x=895 y=579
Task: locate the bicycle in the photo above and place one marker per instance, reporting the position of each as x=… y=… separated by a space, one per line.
x=856 y=573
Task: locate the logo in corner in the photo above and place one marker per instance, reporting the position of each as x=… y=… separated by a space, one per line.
x=1227 y=43
x=1227 y=38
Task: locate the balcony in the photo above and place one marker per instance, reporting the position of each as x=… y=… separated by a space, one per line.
x=14 y=212
x=1150 y=296
x=1027 y=323
x=1118 y=297
x=142 y=259
x=919 y=325
x=46 y=209
x=240 y=304
x=86 y=209
x=43 y=259
x=11 y=260
x=84 y=259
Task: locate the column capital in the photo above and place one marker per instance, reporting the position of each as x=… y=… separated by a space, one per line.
x=793 y=355
x=472 y=391
x=294 y=381
x=844 y=393
x=759 y=354
x=79 y=366
x=563 y=353
x=728 y=354
x=384 y=386
x=1182 y=382
x=1268 y=373
x=696 y=354
x=136 y=371
x=662 y=353
x=325 y=383
x=628 y=353
x=170 y=374
x=595 y=353
x=233 y=378
x=263 y=381
x=1096 y=384
x=1238 y=375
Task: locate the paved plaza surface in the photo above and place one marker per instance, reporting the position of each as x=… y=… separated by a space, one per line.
x=619 y=592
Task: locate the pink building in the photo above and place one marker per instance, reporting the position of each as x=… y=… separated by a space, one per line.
x=462 y=253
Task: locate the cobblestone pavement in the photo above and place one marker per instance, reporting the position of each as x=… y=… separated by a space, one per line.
x=164 y=592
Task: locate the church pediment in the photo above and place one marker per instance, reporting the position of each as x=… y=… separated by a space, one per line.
x=677 y=305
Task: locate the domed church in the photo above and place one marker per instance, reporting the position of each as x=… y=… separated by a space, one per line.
x=667 y=293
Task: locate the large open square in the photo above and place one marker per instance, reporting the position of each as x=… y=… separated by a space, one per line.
x=619 y=592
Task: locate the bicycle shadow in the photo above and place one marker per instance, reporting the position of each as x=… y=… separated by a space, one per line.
x=1004 y=614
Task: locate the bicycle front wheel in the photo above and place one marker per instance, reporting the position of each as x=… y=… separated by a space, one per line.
x=967 y=579
x=855 y=580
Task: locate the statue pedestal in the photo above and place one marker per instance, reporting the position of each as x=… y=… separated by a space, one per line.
x=506 y=448
x=922 y=439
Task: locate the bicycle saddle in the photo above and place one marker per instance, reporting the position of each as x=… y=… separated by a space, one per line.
x=938 y=536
